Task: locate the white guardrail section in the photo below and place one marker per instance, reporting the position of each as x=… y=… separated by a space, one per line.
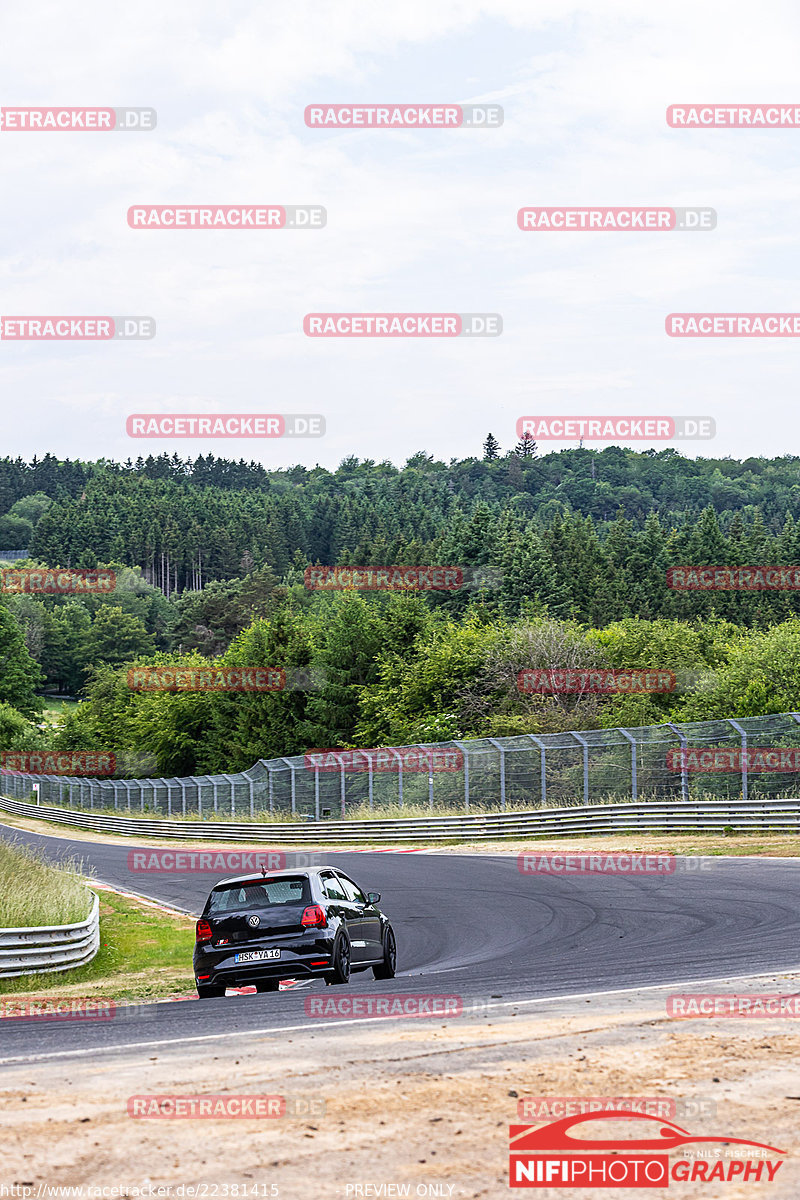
x=602 y=818
x=36 y=950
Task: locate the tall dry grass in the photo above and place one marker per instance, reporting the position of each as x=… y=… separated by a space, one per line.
x=33 y=891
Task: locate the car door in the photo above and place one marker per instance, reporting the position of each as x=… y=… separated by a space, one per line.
x=339 y=905
x=370 y=919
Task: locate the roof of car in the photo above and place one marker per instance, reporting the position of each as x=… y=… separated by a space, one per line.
x=285 y=871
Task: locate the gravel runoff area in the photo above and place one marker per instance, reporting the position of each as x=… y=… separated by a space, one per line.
x=393 y=1107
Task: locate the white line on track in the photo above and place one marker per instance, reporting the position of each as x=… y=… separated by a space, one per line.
x=282 y=1029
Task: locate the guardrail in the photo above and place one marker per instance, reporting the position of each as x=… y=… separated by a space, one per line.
x=604 y=818
x=42 y=949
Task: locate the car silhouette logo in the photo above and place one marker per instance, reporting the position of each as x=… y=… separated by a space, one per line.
x=668 y=1136
x=254 y=920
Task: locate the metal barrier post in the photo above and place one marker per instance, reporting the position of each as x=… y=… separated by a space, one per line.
x=632 y=741
x=743 y=735
x=399 y=775
x=466 y=774
x=684 y=765
x=585 y=745
x=290 y=765
x=341 y=785
x=541 y=746
x=495 y=742
x=196 y=779
x=251 y=783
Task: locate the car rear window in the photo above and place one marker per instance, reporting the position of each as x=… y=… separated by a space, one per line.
x=264 y=893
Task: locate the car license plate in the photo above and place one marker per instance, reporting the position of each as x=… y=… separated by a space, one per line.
x=256 y=955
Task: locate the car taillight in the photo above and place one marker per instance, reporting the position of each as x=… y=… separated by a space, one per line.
x=204 y=932
x=313 y=917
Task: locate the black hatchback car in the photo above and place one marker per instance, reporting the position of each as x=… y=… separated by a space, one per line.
x=259 y=929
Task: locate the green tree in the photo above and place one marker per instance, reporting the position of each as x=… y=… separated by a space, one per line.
x=116 y=637
x=350 y=638
x=20 y=675
x=491 y=448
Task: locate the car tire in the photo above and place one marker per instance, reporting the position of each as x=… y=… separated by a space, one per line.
x=386 y=969
x=268 y=985
x=341 y=962
x=207 y=991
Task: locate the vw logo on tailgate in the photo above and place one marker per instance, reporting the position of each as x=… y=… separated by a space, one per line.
x=254 y=920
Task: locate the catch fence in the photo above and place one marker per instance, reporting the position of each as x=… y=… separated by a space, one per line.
x=754 y=758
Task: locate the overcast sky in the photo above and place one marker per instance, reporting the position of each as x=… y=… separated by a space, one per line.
x=418 y=221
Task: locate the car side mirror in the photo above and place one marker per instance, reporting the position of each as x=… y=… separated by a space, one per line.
x=373 y=897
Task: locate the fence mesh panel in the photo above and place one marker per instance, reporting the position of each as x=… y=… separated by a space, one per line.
x=490 y=774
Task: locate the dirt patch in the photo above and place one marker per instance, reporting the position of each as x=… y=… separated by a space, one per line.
x=422 y=1103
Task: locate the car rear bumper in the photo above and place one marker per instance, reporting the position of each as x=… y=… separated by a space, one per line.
x=217 y=967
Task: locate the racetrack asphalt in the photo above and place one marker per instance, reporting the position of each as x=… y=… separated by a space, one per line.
x=468 y=925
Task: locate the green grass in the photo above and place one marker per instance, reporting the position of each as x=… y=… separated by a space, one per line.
x=55 y=706
x=34 y=892
x=144 y=954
